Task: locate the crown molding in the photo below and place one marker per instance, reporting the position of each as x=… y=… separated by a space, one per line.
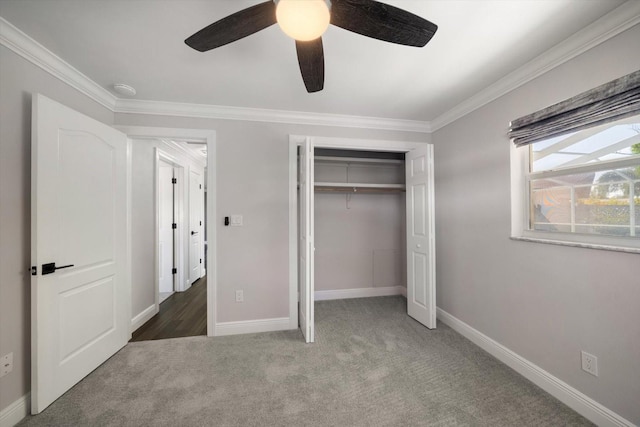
x=612 y=24
x=20 y=43
x=134 y=106
x=615 y=22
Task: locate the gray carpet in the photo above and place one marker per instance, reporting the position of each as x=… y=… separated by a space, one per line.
x=372 y=365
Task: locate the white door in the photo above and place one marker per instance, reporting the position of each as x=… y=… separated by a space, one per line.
x=80 y=314
x=421 y=275
x=165 y=227
x=306 y=248
x=196 y=197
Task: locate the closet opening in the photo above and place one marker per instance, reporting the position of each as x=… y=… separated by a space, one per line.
x=359 y=224
x=364 y=224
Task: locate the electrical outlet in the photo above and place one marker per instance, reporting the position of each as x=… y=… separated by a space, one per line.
x=240 y=295
x=590 y=363
x=6 y=364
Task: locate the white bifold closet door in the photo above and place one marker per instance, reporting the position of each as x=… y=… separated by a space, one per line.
x=421 y=276
x=306 y=247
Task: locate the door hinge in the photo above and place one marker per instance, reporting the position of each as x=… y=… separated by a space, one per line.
x=201 y=186
x=34 y=270
x=200 y=222
x=174 y=225
x=174 y=180
x=200 y=260
x=174 y=271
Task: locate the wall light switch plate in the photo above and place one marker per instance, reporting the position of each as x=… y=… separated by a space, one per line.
x=236 y=220
x=6 y=364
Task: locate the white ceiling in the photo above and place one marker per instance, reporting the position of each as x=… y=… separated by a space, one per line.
x=140 y=43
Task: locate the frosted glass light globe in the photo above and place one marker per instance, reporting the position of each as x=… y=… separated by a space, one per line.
x=303 y=20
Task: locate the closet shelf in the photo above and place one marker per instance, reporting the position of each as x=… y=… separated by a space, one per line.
x=354 y=187
x=327 y=159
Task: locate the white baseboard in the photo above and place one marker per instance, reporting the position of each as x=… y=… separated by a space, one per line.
x=14 y=413
x=576 y=400
x=143 y=317
x=252 y=326
x=358 y=293
x=403 y=291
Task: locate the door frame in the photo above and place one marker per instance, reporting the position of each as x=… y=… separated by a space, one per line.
x=322 y=142
x=207 y=136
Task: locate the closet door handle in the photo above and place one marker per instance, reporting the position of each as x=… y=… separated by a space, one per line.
x=418 y=246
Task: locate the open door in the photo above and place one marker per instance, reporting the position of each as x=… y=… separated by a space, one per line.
x=80 y=314
x=196 y=214
x=421 y=275
x=166 y=232
x=305 y=247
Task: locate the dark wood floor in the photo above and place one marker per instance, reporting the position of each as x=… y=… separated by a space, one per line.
x=183 y=314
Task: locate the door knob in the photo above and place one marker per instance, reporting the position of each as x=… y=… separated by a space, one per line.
x=418 y=246
x=51 y=268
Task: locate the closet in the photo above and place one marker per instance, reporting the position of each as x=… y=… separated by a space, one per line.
x=365 y=224
x=359 y=223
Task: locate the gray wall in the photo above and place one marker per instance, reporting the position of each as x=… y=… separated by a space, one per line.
x=545 y=302
x=252 y=173
x=18 y=80
x=252 y=179
x=362 y=245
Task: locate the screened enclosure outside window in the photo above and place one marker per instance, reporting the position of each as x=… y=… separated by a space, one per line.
x=587 y=182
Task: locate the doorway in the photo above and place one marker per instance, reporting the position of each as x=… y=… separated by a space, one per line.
x=420 y=242
x=186 y=150
x=180 y=292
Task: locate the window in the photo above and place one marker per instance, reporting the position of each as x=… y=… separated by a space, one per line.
x=587 y=182
x=579 y=184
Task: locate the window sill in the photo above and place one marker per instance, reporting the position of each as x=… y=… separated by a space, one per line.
x=577 y=244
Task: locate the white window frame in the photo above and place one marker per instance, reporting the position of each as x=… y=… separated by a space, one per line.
x=520 y=194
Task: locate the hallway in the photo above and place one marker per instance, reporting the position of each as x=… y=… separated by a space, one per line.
x=183 y=314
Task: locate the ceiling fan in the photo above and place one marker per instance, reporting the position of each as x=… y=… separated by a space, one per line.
x=306 y=20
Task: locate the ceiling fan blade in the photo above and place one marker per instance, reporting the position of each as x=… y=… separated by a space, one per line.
x=311 y=61
x=382 y=21
x=234 y=27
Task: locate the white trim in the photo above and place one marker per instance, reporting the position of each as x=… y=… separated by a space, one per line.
x=293 y=234
x=143 y=317
x=568 y=395
x=358 y=144
x=129 y=198
x=325 y=142
x=615 y=22
x=403 y=291
x=577 y=244
x=37 y=54
x=253 y=326
x=358 y=293
x=15 y=412
x=212 y=233
x=180 y=109
x=610 y=25
x=180 y=147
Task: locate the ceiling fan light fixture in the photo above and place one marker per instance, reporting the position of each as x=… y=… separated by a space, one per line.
x=303 y=20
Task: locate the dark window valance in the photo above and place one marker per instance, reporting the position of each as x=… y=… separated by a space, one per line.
x=612 y=101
